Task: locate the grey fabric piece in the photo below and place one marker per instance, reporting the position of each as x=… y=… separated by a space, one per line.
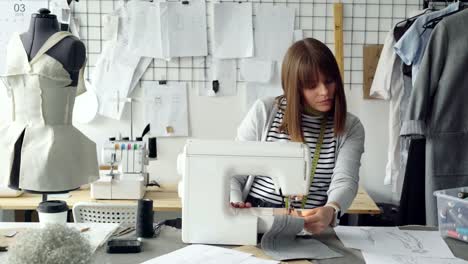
x=404 y=141
x=437 y=108
x=281 y=243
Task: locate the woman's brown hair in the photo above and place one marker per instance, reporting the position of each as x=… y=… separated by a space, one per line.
x=302 y=64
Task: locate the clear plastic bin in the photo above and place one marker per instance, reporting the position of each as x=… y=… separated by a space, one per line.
x=452 y=211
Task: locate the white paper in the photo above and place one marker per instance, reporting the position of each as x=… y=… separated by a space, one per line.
x=166 y=108
x=15 y=18
x=254 y=91
x=110 y=27
x=255 y=70
x=372 y=258
x=201 y=254
x=117 y=70
x=274 y=30
x=97 y=234
x=75 y=27
x=232 y=30
x=145 y=29
x=61 y=9
x=143 y=64
x=112 y=78
x=184 y=29
x=225 y=72
x=391 y=240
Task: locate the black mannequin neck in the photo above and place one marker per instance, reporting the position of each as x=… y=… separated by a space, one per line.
x=40 y=29
x=70 y=51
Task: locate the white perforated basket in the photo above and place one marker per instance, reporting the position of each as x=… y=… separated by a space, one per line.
x=104 y=213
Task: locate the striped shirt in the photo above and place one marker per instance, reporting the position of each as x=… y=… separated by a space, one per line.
x=263 y=187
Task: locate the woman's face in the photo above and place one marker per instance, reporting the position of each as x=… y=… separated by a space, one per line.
x=321 y=95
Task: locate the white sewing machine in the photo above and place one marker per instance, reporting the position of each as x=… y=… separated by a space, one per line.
x=130 y=179
x=207 y=167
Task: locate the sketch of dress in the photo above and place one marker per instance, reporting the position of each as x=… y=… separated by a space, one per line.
x=409 y=241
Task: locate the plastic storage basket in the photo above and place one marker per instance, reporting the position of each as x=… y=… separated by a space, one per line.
x=452 y=210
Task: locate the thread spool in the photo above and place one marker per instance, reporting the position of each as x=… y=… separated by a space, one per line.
x=153 y=151
x=144 y=223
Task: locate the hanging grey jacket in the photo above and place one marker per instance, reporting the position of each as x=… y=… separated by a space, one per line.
x=349 y=149
x=438 y=110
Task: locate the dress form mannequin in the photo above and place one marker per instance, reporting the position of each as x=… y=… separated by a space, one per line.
x=70 y=52
x=40 y=150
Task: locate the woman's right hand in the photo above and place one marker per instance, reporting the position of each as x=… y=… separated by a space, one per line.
x=241 y=205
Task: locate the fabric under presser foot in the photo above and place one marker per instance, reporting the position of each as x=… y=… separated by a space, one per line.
x=281 y=242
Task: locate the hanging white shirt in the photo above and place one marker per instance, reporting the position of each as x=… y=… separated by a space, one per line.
x=388 y=85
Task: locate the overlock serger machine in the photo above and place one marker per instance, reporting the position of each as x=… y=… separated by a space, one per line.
x=207 y=168
x=130 y=179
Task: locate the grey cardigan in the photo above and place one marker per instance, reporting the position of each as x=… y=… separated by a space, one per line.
x=349 y=149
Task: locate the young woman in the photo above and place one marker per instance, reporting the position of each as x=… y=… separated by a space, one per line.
x=311 y=110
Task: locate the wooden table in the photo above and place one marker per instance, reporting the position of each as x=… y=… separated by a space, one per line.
x=163 y=200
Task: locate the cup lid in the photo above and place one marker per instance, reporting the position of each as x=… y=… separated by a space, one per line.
x=53 y=206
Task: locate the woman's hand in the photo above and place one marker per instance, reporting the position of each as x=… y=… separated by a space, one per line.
x=318 y=219
x=241 y=205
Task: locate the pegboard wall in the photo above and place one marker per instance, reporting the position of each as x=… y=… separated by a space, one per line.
x=365 y=22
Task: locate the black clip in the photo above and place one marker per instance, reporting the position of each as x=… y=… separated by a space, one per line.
x=215 y=86
x=162 y=82
x=185 y=2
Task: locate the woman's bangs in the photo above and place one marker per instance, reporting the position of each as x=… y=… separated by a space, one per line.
x=307 y=74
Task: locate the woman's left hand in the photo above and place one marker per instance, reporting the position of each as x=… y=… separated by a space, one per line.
x=318 y=219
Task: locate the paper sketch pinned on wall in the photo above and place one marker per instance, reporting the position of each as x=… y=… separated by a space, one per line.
x=140 y=69
x=86 y=106
x=274 y=33
x=222 y=80
x=232 y=30
x=166 y=108
x=183 y=28
x=75 y=27
x=391 y=240
x=274 y=30
x=110 y=27
x=256 y=70
x=15 y=18
x=254 y=91
x=117 y=70
x=145 y=29
x=112 y=77
x=61 y=9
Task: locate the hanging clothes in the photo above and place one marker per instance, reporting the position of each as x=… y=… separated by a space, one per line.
x=410 y=48
x=437 y=108
x=413 y=160
x=40 y=150
x=413 y=197
x=388 y=85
